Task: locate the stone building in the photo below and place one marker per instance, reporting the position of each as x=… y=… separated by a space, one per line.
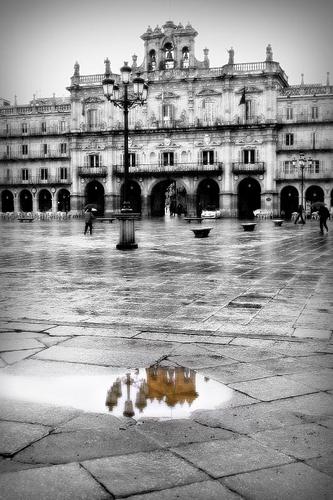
x=228 y=137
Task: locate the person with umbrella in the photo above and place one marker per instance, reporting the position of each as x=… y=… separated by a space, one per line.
x=324 y=214
x=88 y=218
x=300 y=211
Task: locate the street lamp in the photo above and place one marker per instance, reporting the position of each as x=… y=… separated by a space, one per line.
x=121 y=98
x=302 y=163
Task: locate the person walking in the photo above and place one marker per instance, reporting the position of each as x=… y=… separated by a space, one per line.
x=88 y=219
x=324 y=214
x=300 y=211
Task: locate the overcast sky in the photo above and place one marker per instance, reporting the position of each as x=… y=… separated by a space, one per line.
x=40 y=40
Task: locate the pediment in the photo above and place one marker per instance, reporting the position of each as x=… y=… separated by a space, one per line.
x=167 y=95
x=208 y=92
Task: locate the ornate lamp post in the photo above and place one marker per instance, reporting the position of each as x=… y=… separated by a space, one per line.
x=302 y=163
x=121 y=98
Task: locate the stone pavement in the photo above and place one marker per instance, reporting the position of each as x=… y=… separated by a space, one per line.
x=251 y=312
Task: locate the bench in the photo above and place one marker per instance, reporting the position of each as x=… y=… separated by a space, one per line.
x=277 y=222
x=25 y=219
x=249 y=226
x=105 y=219
x=190 y=219
x=202 y=232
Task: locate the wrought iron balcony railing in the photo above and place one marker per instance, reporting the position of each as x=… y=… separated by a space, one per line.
x=34 y=180
x=32 y=155
x=177 y=169
x=248 y=168
x=87 y=172
x=34 y=131
x=319 y=173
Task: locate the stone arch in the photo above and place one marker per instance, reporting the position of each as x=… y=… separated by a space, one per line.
x=25 y=199
x=63 y=200
x=314 y=193
x=44 y=200
x=289 y=201
x=7 y=201
x=166 y=193
x=208 y=194
x=94 y=194
x=249 y=192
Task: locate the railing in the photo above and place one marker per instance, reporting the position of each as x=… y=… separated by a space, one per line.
x=34 y=156
x=29 y=109
x=177 y=169
x=310 y=89
x=86 y=172
x=245 y=168
x=33 y=131
x=34 y=180
x=304 y=118
x=284 y=173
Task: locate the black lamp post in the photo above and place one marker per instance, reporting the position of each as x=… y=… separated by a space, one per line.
x=302 y=163
x=122 y=98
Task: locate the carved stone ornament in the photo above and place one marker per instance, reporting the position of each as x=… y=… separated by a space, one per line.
x=167 y=141
x=93 y=100
x=206 y=92
x=167 y=95
x=207 y=139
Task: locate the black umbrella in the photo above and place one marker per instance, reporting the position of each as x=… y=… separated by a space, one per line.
x=318 y=204
x=91 y=206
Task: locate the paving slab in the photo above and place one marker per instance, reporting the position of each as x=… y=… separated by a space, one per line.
x=296 y=481
x=223 y=458
x=301 y=441
x=72 y=446
x=71 y=331
x=54 y=483
x=324 y=463
x=272 y=388
x=35 y=412
x=7 y=344
x=319 y=379
x=15 y=436
x=212 y=490
x=148 y=472
x=236 y=372
x=16 y=356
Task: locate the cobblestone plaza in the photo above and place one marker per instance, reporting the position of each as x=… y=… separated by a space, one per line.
x=251 y=311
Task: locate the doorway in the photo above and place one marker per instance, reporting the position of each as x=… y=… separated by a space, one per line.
x=248 y=198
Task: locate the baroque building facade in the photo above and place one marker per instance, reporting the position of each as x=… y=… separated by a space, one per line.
x=228 y=137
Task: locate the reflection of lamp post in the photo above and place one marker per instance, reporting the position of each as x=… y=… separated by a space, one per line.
x=125 y=102
x=302 y=163
x=128 y=411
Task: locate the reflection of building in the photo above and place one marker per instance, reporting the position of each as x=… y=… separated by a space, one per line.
x=227 y=136
x=171 y=385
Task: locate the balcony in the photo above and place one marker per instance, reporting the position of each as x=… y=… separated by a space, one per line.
x=92 y=172
x=35 y=131
x=305 y=118
x=51 y=155
x=194 y=169
x=34 y=181
x=313 y=173
x=248 y=168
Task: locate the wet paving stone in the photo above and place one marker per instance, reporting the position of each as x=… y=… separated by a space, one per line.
x=14 y=436
x=271 y=388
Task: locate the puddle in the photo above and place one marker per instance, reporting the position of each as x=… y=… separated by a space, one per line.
x=154 y=392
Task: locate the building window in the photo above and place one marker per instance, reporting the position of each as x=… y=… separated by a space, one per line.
x=25 y=174
x=208 y=157
x=24 y=149
x=313 y=137
x=63 y=148
x=248 y=109
x=63 y=173
x=185 y=57
x=44 y=175
x=168 y=159
x=92 y=118
x=24 y=128
x=93 y=161
x=152 y=60
x=132 y=159
x=45 y=149
x=288 y=167
x=8 y=150
x=315 y=167
x=43 y=127
x=249 y=156
x=167 y=113
x=8 y=128
x=289 y=138
x=289 y=113
x=63 y=126
x=314 y=112
x=168 y=56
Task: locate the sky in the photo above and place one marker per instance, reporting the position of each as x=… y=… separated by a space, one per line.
x=40 y=40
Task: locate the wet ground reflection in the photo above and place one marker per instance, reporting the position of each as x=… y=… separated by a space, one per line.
x=154 y=392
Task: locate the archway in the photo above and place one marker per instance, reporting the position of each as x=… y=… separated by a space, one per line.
x=133 y=196
x=25 y=201
x=289 y=201
x=7 y=201
x=314 y=193
x=45 y=201
x=248 y=197
x=95 y=194
x=208 y=195
x=64 y=201
x=165 y=194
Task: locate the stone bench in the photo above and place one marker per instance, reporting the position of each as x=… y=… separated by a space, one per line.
x=25 y=219
x=202 y=232
x=190 y=219
x=277 y=222
x=249 y=226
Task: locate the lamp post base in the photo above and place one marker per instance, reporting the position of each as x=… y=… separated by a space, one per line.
x=127 y=231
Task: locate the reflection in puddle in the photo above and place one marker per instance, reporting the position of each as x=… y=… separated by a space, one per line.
x=155 y=392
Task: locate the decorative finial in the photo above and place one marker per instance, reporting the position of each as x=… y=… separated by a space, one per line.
x=302 y=78
x=15 y=100
x=76 y=69
x=231 y=53
x=269 y=53
x=134 y=60
x=328 y=78
x=107 y=67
